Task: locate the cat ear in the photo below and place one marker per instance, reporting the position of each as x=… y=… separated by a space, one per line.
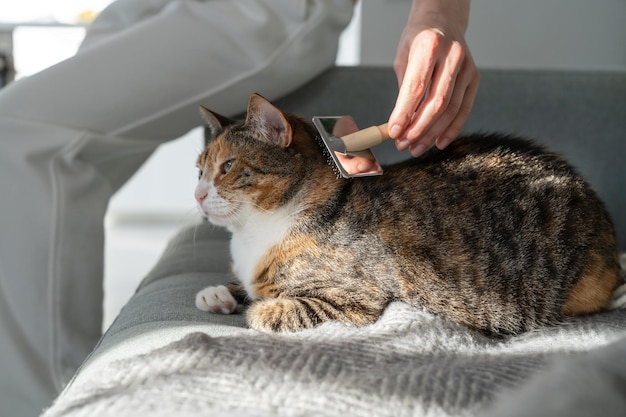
x=215 y=123
x=269 y=121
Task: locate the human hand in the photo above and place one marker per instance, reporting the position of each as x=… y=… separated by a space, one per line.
x=437 y=76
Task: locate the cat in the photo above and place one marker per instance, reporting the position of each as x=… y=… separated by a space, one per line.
x=494 y=232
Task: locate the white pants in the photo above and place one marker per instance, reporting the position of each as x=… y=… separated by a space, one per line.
x=71 y=135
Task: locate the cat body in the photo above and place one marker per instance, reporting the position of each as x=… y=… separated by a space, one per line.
x=494 y=232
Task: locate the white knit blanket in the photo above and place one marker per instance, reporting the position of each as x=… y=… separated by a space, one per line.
x=409 y=363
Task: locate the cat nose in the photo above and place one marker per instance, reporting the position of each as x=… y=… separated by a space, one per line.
x=200 y=195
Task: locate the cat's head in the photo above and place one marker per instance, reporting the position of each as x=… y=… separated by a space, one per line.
x=255 y=166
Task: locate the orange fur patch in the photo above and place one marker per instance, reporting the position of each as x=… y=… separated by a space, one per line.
x=266 y=197
x=264 y=283
x=594 y=290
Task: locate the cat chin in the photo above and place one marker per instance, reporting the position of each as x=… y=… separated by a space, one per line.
x=228 y=220
x=217 y=220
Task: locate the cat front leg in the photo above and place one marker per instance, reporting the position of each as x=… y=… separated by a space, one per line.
x=221 y=299
x=299 y=313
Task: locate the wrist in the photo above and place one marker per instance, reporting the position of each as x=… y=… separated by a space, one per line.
x=442 y=14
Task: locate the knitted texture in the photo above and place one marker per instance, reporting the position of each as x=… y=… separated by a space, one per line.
x=408 y=363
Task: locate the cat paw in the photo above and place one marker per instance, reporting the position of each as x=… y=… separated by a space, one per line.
x=279 y=315
x=216 y=299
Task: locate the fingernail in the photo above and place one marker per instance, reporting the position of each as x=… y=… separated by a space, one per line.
x=402 y=144
x=443 y=142
x=395 y=131
x=418 y=150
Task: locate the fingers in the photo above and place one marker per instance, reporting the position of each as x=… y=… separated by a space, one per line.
x=440 y=105
x=444 y=112
x=414 y=69
x=455 y=127
x=434 y=113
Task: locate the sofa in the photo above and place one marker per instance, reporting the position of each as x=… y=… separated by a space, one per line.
x=163 y=357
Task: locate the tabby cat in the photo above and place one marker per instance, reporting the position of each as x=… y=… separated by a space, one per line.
x=493 y=232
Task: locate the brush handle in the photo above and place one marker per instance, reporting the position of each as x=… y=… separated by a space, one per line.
x=365 y=138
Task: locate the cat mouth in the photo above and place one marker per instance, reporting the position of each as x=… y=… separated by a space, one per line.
x=222 y=216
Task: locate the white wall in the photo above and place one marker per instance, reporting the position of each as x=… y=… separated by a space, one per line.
x=544 y=34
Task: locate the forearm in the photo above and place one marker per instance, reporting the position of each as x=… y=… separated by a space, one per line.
x=444 y=12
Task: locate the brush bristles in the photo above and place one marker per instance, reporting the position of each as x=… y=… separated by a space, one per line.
x=329 y=159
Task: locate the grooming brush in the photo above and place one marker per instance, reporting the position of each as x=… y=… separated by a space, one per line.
x=348 y=147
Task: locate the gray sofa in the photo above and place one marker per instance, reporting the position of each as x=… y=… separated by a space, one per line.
x=162 y=356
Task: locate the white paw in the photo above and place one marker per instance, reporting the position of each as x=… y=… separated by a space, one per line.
x=216 y=299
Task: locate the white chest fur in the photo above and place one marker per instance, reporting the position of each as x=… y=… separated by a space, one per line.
x=251 y=242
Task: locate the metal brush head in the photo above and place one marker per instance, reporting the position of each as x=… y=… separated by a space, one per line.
x=348 y=164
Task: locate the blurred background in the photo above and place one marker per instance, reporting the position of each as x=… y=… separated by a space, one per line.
x=531 y=34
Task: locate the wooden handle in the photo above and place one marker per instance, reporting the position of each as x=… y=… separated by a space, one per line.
x=365 y=138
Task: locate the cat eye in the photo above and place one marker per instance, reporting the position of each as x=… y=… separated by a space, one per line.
x=226 y=166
